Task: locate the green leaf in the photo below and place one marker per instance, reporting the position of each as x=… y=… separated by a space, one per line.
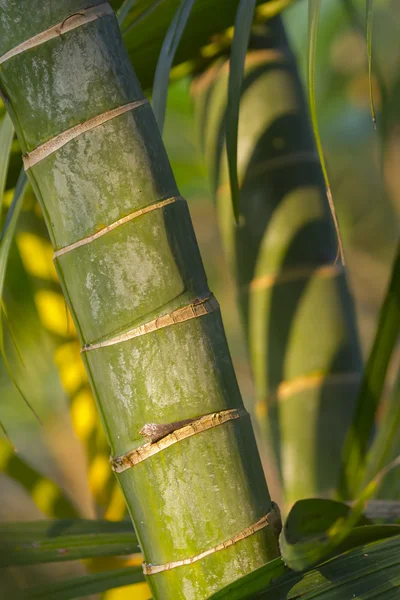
x=387 y=334
x=167 y=54
x=369 y=9
x=314 y=9
x=6 y=137
x=315 y=528
x=95 y=583
x=243 y=22
x=369 y=572
x=250 y=585
x=30 y=543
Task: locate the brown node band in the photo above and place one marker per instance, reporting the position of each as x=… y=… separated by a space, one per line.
x=164 y=436
x=273 y=519
x=112 y=226
x=87 y=15
x=198 y=308
x=57 y=142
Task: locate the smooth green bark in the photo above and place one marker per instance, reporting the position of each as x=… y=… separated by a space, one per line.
x=210 y=487
x=295 y=303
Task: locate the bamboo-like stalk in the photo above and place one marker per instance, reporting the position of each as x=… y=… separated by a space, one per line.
x=207 y=488
x=294 y=298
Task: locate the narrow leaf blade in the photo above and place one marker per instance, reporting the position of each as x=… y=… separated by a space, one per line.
x=387 y=334
x=314 y=10
x=6 y=137
x=243 y=22
x=387 y=437
x=124 y=11
x=369 y=21
x=166 y=58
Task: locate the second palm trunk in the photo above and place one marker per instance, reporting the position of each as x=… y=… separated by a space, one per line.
x=293 y=295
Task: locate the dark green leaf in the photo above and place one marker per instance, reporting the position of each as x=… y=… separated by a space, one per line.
x=243 y=22
x=252 y=584
x=88 y=584
x=369 y=572
x=30 y=543
x=310 y=531
x=167 y=54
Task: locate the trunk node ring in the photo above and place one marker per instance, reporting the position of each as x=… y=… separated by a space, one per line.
x=189 y=428
x=198 y=308
x=272 y=519
x=44 y=150
x=118 y=223
x=87 y=15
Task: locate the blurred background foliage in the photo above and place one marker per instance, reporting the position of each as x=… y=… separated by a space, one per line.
x=61 y=466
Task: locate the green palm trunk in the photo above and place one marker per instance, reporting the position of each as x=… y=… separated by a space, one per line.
x=294 y=299
x=207 y=488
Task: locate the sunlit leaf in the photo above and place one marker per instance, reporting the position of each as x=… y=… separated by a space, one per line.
x=314 y=8
x=168 y=50
x=47 y=496
x=386 y=336
x=243 y=22
x=274 y=7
